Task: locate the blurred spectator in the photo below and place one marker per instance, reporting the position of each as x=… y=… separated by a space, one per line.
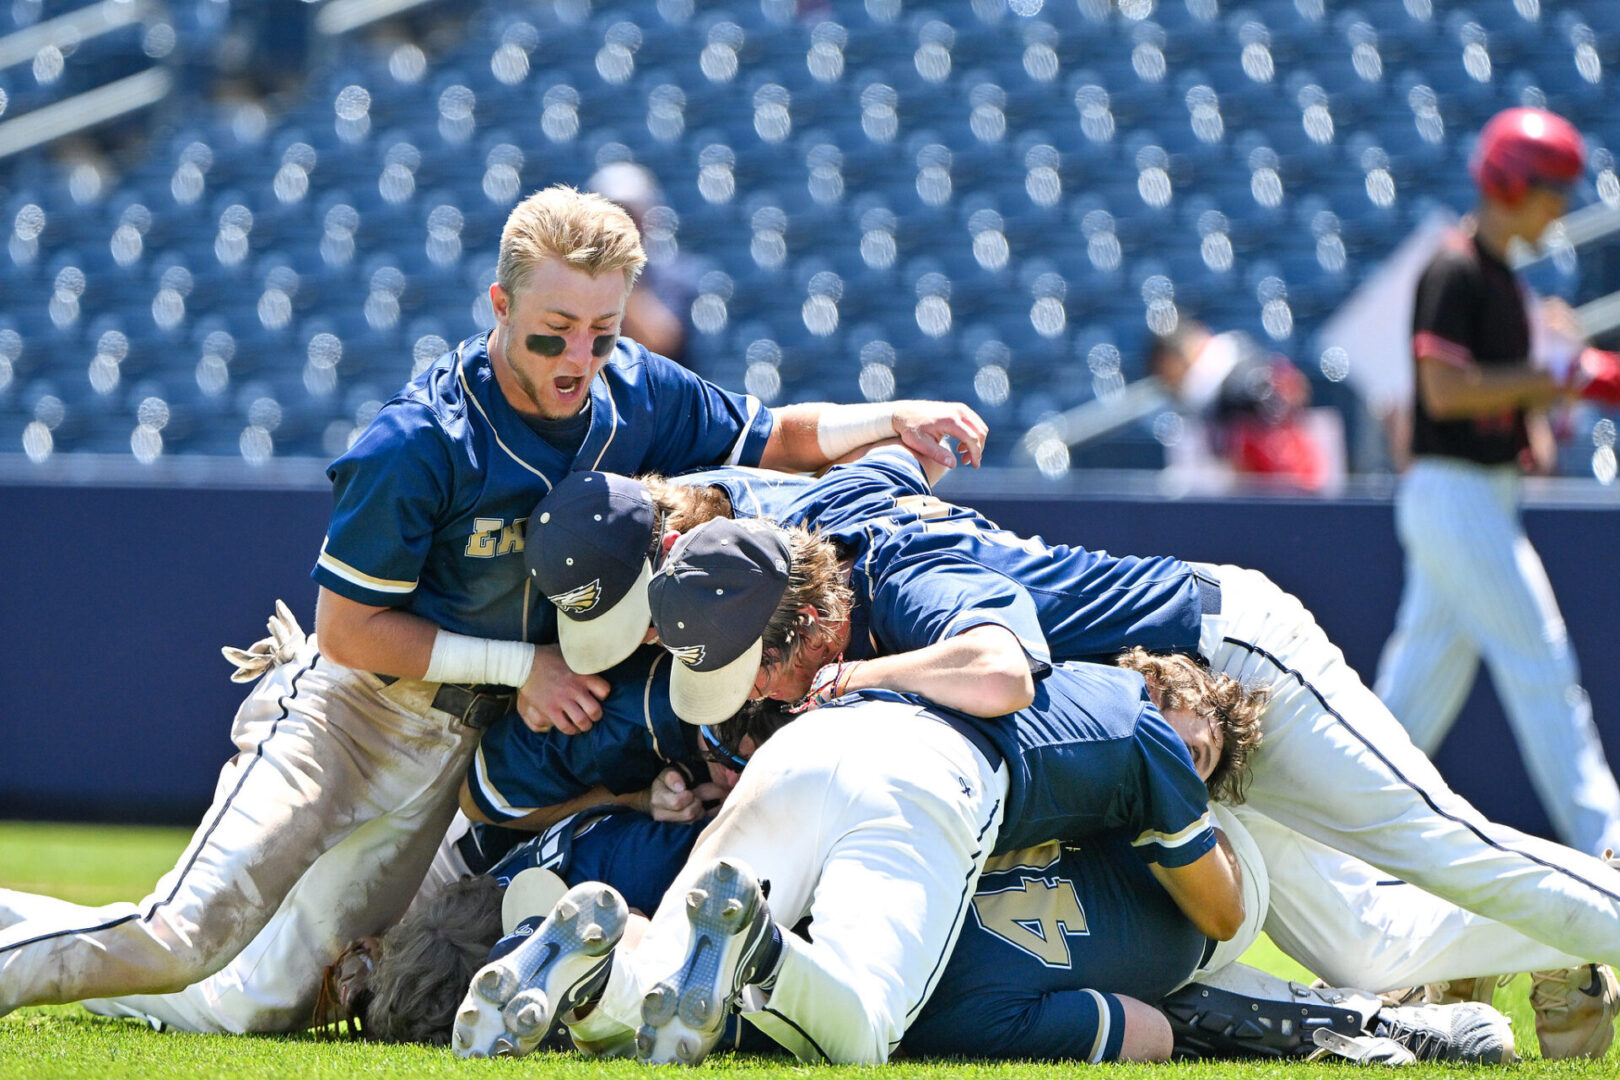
x=660 y=310
x=1248 y=402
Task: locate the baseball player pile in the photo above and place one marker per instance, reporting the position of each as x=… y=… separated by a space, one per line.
x=758 y=744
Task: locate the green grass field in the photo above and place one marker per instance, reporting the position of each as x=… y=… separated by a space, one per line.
x=99 y=864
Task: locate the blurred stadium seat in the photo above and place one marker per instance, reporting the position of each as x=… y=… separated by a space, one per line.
x=988 y=201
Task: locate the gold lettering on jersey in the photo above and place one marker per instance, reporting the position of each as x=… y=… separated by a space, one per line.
x=512 y=537
x=1035 y=915
x=495 y=536
x=924 y=507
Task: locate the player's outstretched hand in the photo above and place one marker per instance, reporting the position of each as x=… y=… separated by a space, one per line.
x=924 y=425
x=556 y=697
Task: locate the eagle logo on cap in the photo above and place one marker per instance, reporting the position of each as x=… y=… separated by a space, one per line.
x=690 y=655
x=580 y=600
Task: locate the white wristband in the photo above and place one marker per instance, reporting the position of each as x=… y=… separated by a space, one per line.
x=842 y=428
x=458 y=658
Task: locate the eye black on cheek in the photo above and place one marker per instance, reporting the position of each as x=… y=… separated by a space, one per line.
x=545 y=344
x=603 y=344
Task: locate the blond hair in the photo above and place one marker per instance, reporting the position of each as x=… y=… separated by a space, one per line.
x=584 y=230
x=816 y=581
x=1184 y=683
x=684 y=507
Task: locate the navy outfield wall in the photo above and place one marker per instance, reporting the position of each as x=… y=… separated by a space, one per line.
x=117 y=705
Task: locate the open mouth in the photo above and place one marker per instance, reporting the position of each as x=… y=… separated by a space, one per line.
x=567 y=387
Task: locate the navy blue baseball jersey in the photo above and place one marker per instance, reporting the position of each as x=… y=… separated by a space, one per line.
x=432 y=499
x=626 y=849
x=925 y=570
x=517 y=771
x=1091 y=755
x=1053 y=933
x=754 y=493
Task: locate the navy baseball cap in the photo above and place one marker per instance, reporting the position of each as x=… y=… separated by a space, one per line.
x=711 y=602
x=589 y=549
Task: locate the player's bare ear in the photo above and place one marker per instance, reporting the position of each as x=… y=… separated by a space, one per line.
x=499 y=300
x=670 y=536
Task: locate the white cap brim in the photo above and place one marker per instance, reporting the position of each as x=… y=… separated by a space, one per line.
x=709 y=697
x=534 y=891
x=597 y=644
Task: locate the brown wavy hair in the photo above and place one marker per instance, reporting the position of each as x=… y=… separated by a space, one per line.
x=1184 y=683
x=816 y=581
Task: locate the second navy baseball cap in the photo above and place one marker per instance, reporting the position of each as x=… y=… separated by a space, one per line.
x=711 y=602
x=589 y=549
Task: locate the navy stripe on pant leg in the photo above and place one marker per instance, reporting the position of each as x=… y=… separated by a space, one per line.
x=1396 y=772
x=258 y=755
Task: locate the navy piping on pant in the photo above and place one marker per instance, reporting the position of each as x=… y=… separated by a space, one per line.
x=258 y=755
x=1422 y=794
x=963 y=901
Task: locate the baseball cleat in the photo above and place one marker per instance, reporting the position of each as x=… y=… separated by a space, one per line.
x=1466 y=1031
x=517 y=1001
x=684 y=1015
x=1575 y=1010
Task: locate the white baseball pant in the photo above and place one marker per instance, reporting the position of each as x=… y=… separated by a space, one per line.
x=1351 y=923
x=326 y=818
x=1335 y=766
x=874 y=820
x=1475 y=587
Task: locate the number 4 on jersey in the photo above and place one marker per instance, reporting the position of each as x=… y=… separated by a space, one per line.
x=1035 y=914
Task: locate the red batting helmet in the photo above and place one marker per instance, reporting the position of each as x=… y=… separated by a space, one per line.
x=1524 y=148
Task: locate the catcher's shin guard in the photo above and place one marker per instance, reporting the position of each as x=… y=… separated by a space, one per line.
x=1240 y=1012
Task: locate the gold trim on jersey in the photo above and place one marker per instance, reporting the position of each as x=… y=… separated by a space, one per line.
x=613 y=424
x=646 y=704
x=359 y=577
x=1176 y=839
x=461 y=377
x=492 y=794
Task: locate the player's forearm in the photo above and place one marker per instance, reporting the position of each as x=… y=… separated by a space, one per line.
x=547 y=816
x=392 y=642
x=982 y=672
x=808 y=436
x=1456 y=392
x=1209 y=891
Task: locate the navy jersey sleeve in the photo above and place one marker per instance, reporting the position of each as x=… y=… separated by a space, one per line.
x=517 y=771
x=1062 y=1025
x=1172 y=824
x=699 y=423
x=887 y=484
x=389 y=491
x=1447 y=298
x=940 y=595
x=633 y=853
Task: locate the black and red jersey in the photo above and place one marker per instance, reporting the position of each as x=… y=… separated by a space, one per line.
x=1470 y=309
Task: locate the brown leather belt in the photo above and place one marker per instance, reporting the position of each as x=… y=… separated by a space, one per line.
x=474 y=705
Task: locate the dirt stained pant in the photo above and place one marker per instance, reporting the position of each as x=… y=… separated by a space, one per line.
x=321 y=827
